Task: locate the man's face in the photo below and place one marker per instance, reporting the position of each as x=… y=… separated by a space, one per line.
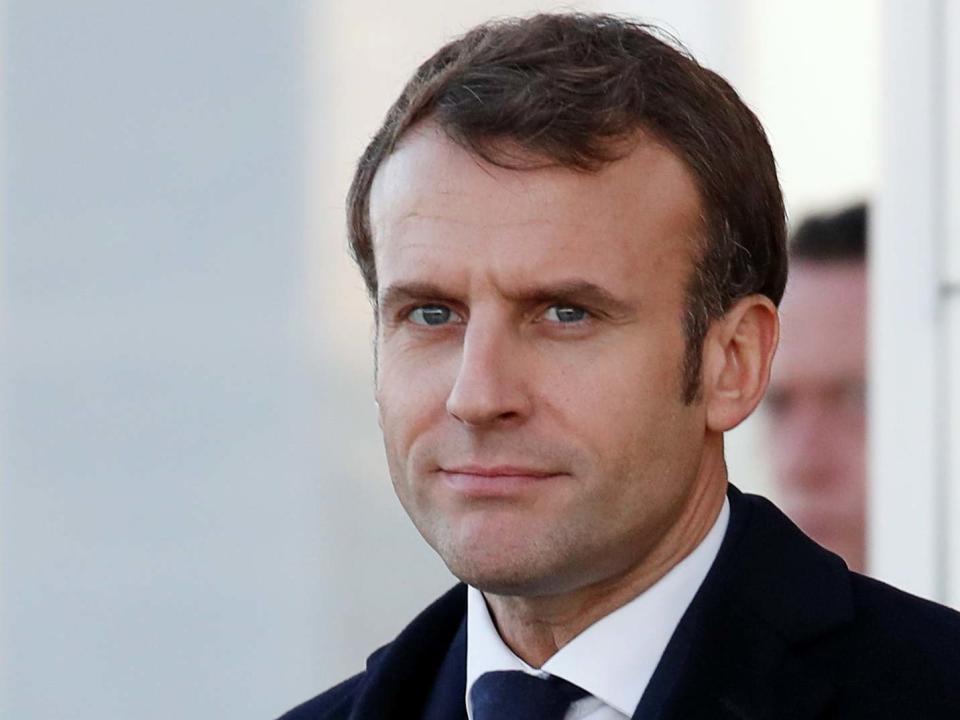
x=816 y=405
x=529 y=349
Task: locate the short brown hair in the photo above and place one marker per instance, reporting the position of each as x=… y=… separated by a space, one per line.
x=572 y=89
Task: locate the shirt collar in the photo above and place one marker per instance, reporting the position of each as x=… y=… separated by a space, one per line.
x=598 y=659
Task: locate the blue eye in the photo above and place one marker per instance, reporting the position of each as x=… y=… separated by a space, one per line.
x=431 y=315
x=565 y=314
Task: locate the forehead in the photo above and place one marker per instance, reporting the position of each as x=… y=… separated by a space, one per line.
x=644 y=207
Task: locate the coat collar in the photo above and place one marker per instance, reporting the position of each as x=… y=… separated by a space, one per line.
x=746 y=646
x=424 y=666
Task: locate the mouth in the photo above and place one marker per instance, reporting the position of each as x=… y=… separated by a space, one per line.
x=494 y=480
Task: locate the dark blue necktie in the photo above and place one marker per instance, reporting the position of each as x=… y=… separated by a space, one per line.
x=516 y=695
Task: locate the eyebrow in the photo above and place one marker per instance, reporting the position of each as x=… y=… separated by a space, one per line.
x=575 y=292
x=401 y=293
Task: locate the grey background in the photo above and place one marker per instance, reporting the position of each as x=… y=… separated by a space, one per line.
x=160 y=516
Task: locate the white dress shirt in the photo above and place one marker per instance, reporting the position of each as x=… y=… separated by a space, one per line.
x=614 y=658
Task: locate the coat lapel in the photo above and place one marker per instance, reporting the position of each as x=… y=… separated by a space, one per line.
x=418 y=669
x=448 y=698
x=746 y=648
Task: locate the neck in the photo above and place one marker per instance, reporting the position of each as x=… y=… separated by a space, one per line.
x=535 y=628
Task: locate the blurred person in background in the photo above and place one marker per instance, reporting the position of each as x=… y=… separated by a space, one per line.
x=816 y=400
x=573 y=236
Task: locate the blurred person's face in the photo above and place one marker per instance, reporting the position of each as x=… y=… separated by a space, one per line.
x=529 y=353
x=816 y=405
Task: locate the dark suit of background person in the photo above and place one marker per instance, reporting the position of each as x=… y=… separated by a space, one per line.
x=574 y=238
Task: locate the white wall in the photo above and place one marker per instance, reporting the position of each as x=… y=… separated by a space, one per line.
x=915 y=413
x=950 y=45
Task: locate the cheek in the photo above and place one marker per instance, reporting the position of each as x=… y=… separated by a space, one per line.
x=620 y=384
x=411 y=393
x=630 y=414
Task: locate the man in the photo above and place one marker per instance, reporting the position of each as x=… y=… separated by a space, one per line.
x=817 y=391
x=574 y=239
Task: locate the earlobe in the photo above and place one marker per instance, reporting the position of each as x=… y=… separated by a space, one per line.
x=738 y=353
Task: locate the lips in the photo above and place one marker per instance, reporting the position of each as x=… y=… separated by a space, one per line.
x=497 y=471
x=494 y=480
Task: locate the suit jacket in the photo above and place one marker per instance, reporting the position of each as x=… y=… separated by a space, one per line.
x=780 y=629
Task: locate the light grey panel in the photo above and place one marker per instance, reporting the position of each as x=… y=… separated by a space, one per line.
x=161 y=444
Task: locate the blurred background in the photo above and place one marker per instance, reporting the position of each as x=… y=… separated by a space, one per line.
x=195 y=516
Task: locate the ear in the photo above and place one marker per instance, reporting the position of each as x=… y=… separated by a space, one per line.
x=737 y=355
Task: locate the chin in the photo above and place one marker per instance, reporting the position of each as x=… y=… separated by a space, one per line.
x=508 y=574
x=506 y=553
x=513 y=585
x=492 y=575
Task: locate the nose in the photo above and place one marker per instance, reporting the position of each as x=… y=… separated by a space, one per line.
x=490 y=386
